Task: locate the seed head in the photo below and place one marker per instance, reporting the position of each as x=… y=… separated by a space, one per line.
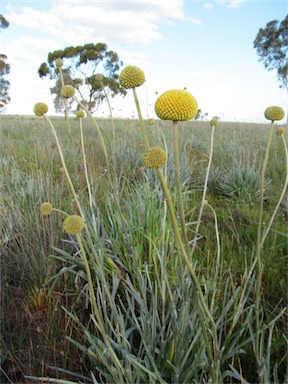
x=73 y=224
x=40 y=109
x=46 y=209
x=80 y=114
x=280 y=131
x=214 y=122
x=67 y=91
x=155 y=158
x=176 y=105
x=131 y=77
x=274 y=113
x=59 y=63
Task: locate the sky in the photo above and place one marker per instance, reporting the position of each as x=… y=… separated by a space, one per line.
x=203 y=46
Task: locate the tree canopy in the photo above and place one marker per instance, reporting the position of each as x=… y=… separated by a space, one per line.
x=271 y=44
x=81 y=66
x=4 y=70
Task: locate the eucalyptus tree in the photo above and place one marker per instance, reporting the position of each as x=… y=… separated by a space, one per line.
x=81 y=68
x=4 y=70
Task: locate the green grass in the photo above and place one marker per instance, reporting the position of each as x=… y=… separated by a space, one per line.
x=147 y=303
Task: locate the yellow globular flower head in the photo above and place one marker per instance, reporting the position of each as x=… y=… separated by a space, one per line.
x=131 y=77
x=73 y=224
x=176 y=105
x=40 y=109
x=59 y=63
x=155 y=158
x=274 y=113
x=67 y=91
x=46 y=209
x=214 y=122
x=80 y=114
x=280 y=131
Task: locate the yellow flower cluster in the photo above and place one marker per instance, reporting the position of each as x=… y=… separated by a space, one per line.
x=176 y=105
x=155 y=158
x=80 y=114
x=40 y=109
x=67 y=91
x=131 y=77
x=59 y=63
x=73 y=224
x=280 y=131
x=46 y=209
x=274 y=113
x=214 y=122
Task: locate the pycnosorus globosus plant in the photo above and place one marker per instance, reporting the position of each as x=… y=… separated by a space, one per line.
x=131 y=77
x=155 y=158
x=46 y=209
x=274 y=113
x=176 y=105
x=40 y=109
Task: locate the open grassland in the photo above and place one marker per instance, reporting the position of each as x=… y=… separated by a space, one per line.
x=145 y=302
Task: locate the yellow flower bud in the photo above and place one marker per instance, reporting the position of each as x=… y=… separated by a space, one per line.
x=67 y=91
x=40 y=109
x=46 y=209
x=155 y=158
x=131 y=77
x=274 y=113
x=73 y=224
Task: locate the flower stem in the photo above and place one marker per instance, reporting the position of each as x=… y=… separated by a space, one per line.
x=258 y=249
x=178 y=184
x=65 y=103
x=141 y=122
x=204 y=191
x=281 y=196
x=96 y=312
x=99 y=132
x=200 y=299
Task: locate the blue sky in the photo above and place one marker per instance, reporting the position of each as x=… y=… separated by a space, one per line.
x=205 y=46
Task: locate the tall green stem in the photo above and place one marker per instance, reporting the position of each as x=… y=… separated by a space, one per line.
x=141 y=122
x=204 y=191
x=96 y=312
x=99 y=132
x=65 y=168
x=281 y=196
x=65 y=103
x=258 y=249
x=178 y=184
x=200 y=299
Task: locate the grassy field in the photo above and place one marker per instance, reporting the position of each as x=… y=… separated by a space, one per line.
x=147 y=321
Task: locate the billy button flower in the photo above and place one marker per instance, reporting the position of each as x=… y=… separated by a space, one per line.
x=176 y=105
x=131 y=77
x=214 y=122
x=155 y=158
x=80 y=114
x=59 y=63
x=46 y=209
x=67 y=91
x=274 y=113
x=73 y=224
x=40 y=109
x=280 y=131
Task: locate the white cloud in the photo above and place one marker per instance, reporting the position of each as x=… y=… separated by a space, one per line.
x=208 y=6
x=195 y=21
x=117 y=21
x=231 y=3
